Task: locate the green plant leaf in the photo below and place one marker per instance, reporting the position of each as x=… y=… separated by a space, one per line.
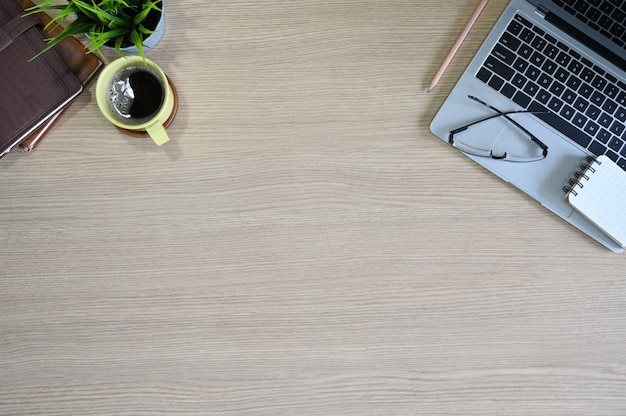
x=144 y=30
x=97 y=13
x=74 y=28
x=42 y=6
x=136 y=38
x=147 y=8
x=118 y=45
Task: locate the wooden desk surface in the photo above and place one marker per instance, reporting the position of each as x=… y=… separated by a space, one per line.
x=303 y=246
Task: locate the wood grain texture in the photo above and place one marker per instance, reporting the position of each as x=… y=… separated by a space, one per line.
x=303 y=246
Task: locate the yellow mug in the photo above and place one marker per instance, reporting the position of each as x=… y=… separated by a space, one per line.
x=136 y=96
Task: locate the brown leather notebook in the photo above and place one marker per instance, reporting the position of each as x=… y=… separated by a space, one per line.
x=84 y=65
x=31 y=90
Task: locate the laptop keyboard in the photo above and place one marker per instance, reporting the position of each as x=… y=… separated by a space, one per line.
x=604 y=16
x=581 y=100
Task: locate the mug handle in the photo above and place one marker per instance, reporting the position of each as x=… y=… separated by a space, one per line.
x=158 y=134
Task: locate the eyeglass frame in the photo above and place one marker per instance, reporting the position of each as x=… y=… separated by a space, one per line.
x=465 y=148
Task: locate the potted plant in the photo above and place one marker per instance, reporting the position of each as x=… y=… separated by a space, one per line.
x=119 y=24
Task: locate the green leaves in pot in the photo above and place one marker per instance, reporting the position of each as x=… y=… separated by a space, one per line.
x=112 y=22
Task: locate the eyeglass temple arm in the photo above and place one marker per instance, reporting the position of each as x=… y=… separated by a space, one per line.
x=533 y=138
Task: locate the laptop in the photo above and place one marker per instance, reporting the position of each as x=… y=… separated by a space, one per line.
x=556 y=69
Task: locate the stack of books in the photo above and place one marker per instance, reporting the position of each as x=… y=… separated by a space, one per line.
x=36 y=89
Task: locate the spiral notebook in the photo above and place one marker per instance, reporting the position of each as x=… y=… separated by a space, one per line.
x=598 y=192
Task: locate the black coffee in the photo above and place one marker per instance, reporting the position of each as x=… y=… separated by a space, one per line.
x=136 y=94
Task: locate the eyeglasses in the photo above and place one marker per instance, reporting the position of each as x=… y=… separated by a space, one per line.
x=463 y=146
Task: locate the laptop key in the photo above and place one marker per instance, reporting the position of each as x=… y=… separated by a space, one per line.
x=531 y=88
x=499 y=68
x=523 y=21
x=566 y=128
x=555 y=104
x=617 y=30
x=537 y=107
x=508 y=90
x=569 y=96
x=581 y=104
x=549 y=67
x=599 y=82
x=593 y=14
x=621 y=163
x=563 y=59
x=611 y=90
x=519 y=80
x=611 y=78
x=610 y=106
x=551 y=51
x=538 y=30
x=533 y=72
x=599 y=70
x=605 y=22
x=593 y=112
x=567 y=112
x=525 y=51
x=561 y=75
x=557 y=88
x=605 y=120
x=514 y=28
x=537 y=59
x=597 y=98
x=544 y=80
x=504 y=54
x=612 y=155
x=585 y=90
x=597 y=148
x=591 y=128
x=538 y=43
x=618 y=15
x=604 y=136
x=521 y=99
x=483 y=75
x=616 y=128
x=581 y=6
x=543 y=97
x=496 y=82
x=574 y=82
x=575 y=67
x=526 y=35
x=520 y=65
x=510 y=41
x=587 y=75
x=579 y=120
x=616 y=144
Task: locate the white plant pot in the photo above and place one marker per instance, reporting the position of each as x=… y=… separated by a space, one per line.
x=152 y=40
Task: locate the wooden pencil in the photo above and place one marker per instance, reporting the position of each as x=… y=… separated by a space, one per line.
x=457 y=44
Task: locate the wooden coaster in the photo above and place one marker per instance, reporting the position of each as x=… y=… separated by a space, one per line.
x=142 y=134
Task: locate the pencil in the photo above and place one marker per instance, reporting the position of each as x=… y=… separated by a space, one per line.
x=446 y=62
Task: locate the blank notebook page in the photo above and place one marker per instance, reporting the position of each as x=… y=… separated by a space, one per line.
x=601 y=197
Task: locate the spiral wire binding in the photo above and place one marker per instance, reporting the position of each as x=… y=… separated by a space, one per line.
x=576 y=180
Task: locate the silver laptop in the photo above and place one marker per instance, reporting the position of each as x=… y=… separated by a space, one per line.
x=546 y=89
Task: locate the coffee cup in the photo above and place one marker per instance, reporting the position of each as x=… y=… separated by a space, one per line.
x=135 y=95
